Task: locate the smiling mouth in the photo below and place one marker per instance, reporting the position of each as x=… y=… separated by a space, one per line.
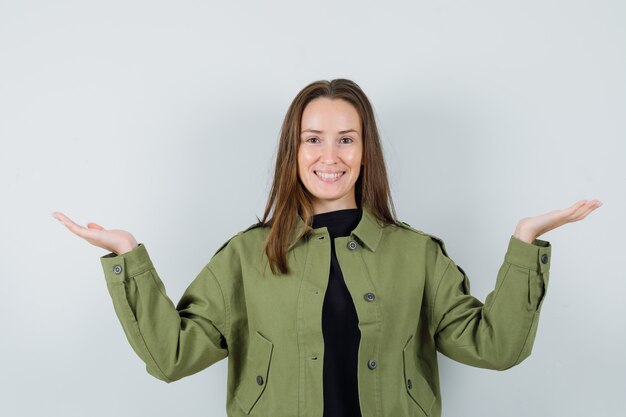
x=328 y=176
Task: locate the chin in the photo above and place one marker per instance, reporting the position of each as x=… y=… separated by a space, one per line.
x=328 y=197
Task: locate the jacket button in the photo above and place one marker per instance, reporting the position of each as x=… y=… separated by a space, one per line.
x=117 y=269
x=369 y=296
x=352 y=245
x=544 y=259
x=409 y=383
x=372 y=364
x=259 y=380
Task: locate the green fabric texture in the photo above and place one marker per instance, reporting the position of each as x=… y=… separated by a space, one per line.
x=270 y=326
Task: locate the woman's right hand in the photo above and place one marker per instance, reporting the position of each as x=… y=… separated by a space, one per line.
x=116 y=241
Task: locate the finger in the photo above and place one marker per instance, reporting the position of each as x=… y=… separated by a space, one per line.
x=94 y=226
x=59 y=216
x=66 y=220
x=583 y=211
x=576 y=210
x=595 y=203
x=85 y=233
x=76 y=228
x=571 y=213
x=590 y=206
x=578 y=205
x=571 y=209
x=62 y=218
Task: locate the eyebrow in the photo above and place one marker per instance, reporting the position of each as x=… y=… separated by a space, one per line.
x=319 y=131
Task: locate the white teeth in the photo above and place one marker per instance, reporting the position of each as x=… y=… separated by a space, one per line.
x=329 y=176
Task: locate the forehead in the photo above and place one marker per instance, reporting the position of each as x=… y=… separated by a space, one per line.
x=324 y=114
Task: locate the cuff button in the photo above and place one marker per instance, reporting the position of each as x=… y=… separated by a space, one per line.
x=117 y=269
x=544 y=259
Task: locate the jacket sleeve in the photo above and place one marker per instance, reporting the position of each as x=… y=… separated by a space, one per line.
x=174 y=342
x=499 y=334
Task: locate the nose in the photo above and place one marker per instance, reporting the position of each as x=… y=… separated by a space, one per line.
x=329 y=153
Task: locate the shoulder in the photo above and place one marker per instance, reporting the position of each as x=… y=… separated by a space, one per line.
x=250 y=236
x=428 y=236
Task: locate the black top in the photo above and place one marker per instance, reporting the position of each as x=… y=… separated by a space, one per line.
x=340 y=325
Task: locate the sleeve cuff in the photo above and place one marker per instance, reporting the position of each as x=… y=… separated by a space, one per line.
x=536 y=256
x=117 y=268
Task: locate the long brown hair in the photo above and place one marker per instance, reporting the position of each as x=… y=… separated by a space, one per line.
x=289 y=198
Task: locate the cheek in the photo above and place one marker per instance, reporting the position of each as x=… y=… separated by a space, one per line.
x=304 y=158
x=353 y=157
x=302 y=163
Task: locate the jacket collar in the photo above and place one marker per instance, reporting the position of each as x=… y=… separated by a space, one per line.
x=369 y=230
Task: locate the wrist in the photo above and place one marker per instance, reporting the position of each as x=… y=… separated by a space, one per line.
x=524 y=235
x=126 y=249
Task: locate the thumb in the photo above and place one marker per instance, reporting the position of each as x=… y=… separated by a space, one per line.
x=94 y=226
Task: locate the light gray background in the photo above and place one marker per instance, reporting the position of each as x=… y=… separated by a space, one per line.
x=162 y=118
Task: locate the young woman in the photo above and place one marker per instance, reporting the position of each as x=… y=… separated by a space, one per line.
x=330 y=306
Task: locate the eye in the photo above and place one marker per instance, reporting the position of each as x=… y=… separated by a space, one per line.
x=312 y=138
x=349 y=139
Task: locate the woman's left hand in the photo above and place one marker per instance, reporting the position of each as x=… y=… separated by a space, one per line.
x=530 y=228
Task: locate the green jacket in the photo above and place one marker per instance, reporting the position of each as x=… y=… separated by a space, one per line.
x=412 y=300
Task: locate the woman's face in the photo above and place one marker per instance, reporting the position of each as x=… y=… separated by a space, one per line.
x=329 y=157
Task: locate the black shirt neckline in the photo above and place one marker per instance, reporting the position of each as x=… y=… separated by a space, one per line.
x=338 y=222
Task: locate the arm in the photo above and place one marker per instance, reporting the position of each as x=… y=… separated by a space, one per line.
x=500 y=333
x=174 y=342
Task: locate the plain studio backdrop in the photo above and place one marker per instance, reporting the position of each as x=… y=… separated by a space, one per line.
x=162 y=118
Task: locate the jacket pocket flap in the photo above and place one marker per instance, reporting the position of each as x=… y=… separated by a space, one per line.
x=416 y=385
x=256 y=371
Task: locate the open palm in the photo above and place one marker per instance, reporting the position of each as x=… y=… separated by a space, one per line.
x=530 y=228
x=116 y=241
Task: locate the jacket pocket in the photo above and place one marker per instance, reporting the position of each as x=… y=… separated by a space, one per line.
x=415 y=384
x=255 y=372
